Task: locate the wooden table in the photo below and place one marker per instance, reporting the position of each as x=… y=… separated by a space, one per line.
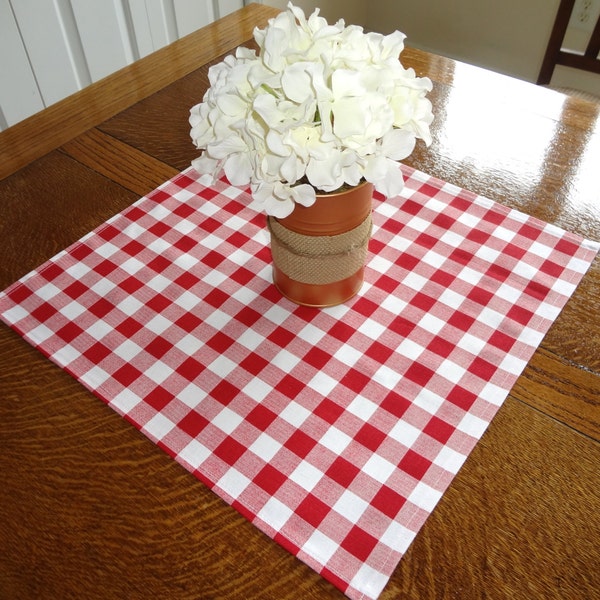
x=90 y=508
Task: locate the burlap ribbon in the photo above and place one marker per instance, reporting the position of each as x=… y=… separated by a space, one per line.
x=319 y=259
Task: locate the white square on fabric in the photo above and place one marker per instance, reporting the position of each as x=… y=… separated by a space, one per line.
x=188 y=301
x=369 y=581
x=250 y=339
x=40 y=334
x=335 y=440
x=218 y=319
x=311 y=334
x=189 y=344
x=424 y=496
x=449 y=460
x=348 y=355
x=471 y=344
x=508 y=293
x=257 y=389
x=123 y=402
x=107 y=249
x=211 y=241
x=306 y=476
x=129 y=305
x=472 y=425
x=72 y=310
x=159 y=246
x=322 y=383
x=159 y=283
x=431 y=323
x=285 y=360
x=295 y=414
x=372 y=329
x=103 y=287
x=450 y=371
x=233 y=483
x=428 y=400
x=415 y=281
x=451 y=298
x=394 y=304
x=275 y=514
x=320 y=546
x=490 y=317
x=504 y=234
x=222 y=366
x=363 y=408
x=132 y=265
x=48 y=291
x=387 y=377
x=158 y=372
x=183 y=196
x=158 y=324
x=240 y=257
x=127 y=350
x=185 y=261
x=227 y=420
x=405 y=433
x=77 y=270
x=435 y=259
x=185 y=226
x=265 y=447
x=351 y=506
x=194 y=454
x=380 y=264
x=98 y=329
x=493 y=394
x=398 y=537
x=15 y=314
x=378 y=468
x=158 y=426
x=191 y=395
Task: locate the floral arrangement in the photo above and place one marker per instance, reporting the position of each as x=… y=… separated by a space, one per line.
x=318 y=107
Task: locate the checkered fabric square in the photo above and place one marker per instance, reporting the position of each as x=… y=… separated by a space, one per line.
x=334 y=431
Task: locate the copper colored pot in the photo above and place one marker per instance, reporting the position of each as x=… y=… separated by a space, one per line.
x=331 y=215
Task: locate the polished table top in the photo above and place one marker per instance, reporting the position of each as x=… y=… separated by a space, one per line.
x=91 y=509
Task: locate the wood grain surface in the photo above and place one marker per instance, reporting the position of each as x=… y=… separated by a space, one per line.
x=90 y=508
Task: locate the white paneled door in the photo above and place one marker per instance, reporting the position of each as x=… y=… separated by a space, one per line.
x=52 y=48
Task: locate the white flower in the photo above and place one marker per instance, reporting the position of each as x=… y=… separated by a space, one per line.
x=318 y=106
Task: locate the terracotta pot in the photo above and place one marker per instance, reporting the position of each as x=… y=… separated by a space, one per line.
x=319 y=251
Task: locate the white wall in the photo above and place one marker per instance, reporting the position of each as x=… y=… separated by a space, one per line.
x=51 y=49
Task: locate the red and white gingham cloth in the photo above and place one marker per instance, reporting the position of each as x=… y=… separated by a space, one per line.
x=334 y=431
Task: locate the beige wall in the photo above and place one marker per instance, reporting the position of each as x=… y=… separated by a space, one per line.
x=354 y=12
x=508 y=36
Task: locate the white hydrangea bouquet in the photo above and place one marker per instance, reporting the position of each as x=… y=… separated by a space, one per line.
x=318 y=107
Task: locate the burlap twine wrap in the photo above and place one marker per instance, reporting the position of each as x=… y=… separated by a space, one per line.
x=319 y=259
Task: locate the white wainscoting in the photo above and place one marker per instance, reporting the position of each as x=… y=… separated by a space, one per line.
x=52 y=48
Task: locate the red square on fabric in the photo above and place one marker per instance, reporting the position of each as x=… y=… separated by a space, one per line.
x=414 y=464
x=270 y=479
x=261 y=417
x=419 y=373
x=127 y=374
x=131 y=285
x=329 y=411
x=461 y=397
x=97 y=352
x=43 y=312
x=312 y=510
x=359 y=543
x=342 y=471
x=69 y=332
x=395 y=404
x=101 y=307
x=224 y=392
x=230 y=450
x=220 y=342
x=438 y=429
x=193 y=423
x=370 y=437
x=300 y=443
x=158 y=398
x=190 y=369
x=388 y=501
x=158 y=303
x=355 y=380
